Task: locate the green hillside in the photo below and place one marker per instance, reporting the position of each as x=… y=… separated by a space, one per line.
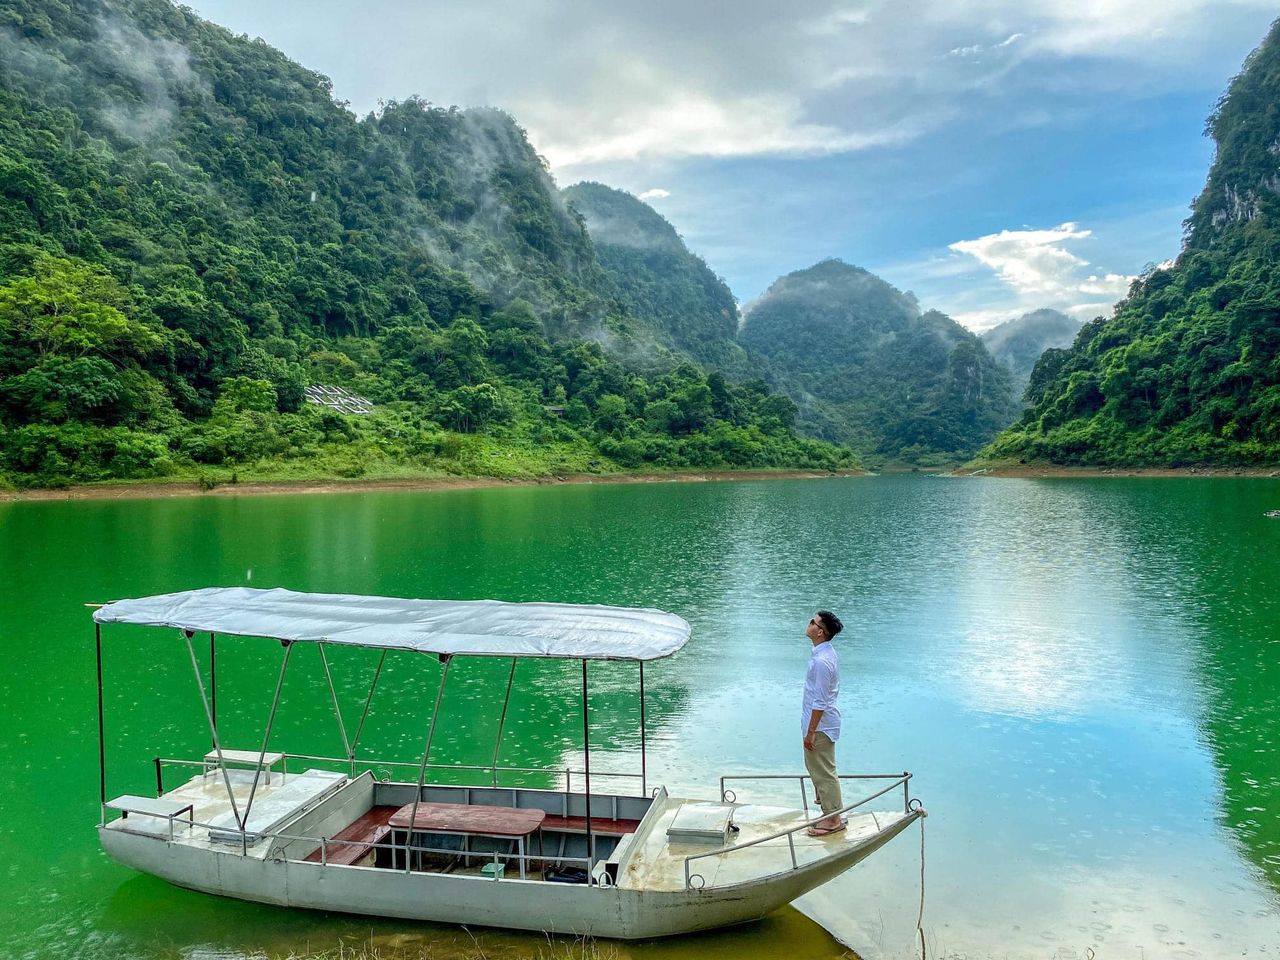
x=869 y=369
x=192 y=231
x=658 y=279
x=1187 y=371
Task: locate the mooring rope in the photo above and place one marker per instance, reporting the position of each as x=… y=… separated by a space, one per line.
x=920 y=915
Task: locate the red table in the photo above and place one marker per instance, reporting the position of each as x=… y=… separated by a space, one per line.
x=461 y=819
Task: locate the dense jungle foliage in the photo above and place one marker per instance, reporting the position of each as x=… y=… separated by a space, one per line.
x=659 y=279
x=192 y=231
x=1187 y=370
x=868 y=369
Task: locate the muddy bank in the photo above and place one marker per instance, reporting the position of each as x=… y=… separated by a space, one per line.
x=192 y=488
x=1057 y=470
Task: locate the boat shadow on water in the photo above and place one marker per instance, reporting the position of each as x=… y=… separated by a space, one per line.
x=148 y=919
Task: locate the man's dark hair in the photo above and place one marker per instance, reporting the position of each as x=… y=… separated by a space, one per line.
x=830 y=623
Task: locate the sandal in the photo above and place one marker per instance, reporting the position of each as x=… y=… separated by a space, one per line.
x=825 y=831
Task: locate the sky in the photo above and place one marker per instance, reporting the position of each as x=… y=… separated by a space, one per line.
x=991 y=156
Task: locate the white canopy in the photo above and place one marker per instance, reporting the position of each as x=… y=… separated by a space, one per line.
x=485 y=628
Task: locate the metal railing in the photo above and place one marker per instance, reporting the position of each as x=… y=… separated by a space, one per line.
x=324 y=843
x=377 y=765
x=726 y=795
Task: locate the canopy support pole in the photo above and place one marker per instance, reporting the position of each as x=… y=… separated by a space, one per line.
x=213 y=727
x=266 y=739
x=586 y=762
x=213 y=678
x=102 y=734
x=493 y=767
x=426 y=753
x=644 y=772
x=342 y=727
x=365 y=713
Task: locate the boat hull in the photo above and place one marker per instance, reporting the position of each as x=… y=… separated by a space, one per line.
x=578 y=910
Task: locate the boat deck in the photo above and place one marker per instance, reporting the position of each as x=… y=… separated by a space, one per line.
x=637 y=854
x=656 y=862
x=277 y=800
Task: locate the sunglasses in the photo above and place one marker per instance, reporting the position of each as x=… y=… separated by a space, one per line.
x=815 y=622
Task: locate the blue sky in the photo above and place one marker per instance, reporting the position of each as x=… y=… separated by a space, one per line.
x=993 y=156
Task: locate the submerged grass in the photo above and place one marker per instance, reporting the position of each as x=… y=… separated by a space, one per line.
x=471 y=948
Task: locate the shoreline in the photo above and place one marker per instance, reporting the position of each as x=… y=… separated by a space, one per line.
x=1049 y=470
x=147 y=490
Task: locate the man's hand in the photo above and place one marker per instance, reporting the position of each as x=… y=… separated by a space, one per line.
x=808 y=741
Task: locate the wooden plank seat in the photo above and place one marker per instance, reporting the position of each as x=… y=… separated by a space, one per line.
x=373 y=827
x=601 y=825
x=472 y=820
x=467 y=818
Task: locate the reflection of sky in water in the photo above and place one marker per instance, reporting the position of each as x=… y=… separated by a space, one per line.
x=1006 y=643
x=1054 y=661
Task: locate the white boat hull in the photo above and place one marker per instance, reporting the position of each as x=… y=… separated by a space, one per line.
x=579 y=910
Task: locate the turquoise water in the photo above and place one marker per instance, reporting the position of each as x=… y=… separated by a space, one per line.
x=1082 y=674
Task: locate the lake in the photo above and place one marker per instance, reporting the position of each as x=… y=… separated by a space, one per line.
x=1083 y=675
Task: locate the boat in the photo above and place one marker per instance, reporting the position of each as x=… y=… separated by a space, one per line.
x=348 y=834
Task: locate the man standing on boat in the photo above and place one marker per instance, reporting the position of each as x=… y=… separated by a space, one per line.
x=821 y=720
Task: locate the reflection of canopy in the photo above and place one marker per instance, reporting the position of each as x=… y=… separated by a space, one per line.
x=485 y=628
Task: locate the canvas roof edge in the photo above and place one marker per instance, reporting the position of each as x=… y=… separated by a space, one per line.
x=491 y=628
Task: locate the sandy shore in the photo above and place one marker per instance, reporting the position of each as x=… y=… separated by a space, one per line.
x=1055 y=470
x=135 y=491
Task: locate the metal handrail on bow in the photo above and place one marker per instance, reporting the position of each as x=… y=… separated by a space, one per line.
x=899 y=780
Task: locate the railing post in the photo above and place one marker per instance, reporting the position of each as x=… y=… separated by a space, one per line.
x=266 y=738
x=159 y=779
x=445 y=660
x=502 y=721
x=906 y=792
x=586 y=757
x=804 y=797
x=213 y=729
x=791 y=842
x=337 y=710
x=102 y=734
x=644 y=769
x=365 y=713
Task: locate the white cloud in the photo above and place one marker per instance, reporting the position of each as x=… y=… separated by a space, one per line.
x=1041 y=272
x=975 y=49
x=599 y=83
x=656 y=193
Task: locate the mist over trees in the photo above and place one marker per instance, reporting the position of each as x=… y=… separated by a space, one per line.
x=1018 y=343
x=192 y=231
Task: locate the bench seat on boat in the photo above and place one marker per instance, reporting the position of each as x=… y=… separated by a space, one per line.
x=244 y=758
x=601 y=825
x=276 y=805
x=157 y=814
x=370 y=828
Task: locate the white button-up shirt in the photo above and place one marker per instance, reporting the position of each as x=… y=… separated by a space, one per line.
x=821 y=690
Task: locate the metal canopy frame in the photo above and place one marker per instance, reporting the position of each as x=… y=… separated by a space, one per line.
x=209 y=701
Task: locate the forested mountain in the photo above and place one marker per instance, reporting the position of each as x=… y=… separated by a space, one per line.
x=192 y=230
x=1187 y=370
x=659 y=280
x=1018 y=343
x=868 y=368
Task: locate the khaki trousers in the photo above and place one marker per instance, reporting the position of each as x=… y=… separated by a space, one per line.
x=821 y=764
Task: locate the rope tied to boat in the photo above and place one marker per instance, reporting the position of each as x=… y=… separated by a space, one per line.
x=920 y=915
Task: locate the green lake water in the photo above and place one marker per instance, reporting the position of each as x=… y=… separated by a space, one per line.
x=1084 y=675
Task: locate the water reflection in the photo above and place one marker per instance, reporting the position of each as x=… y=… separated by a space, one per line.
x=1082 y=674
